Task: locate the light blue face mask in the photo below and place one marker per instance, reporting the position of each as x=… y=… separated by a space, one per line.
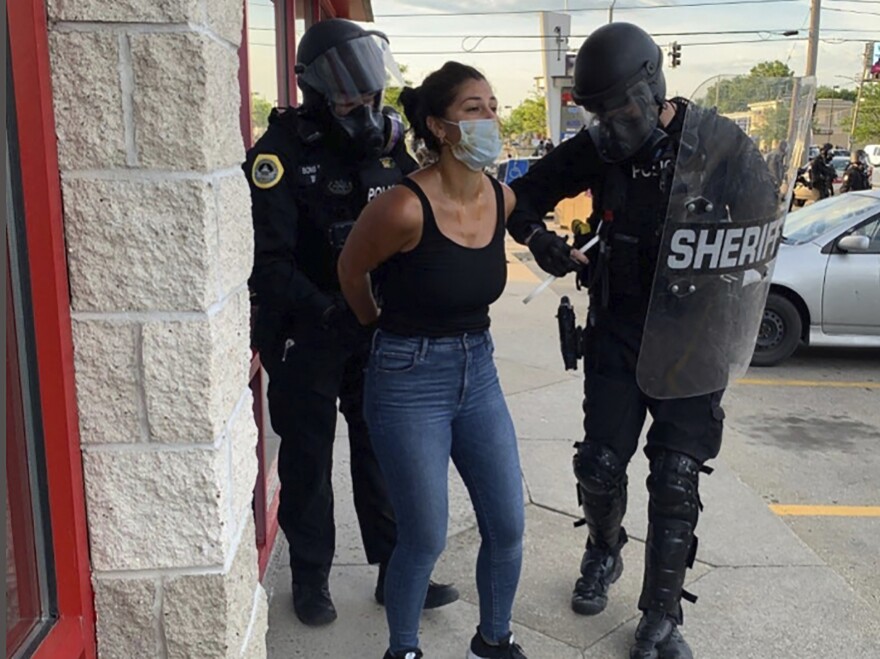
x=480 y=143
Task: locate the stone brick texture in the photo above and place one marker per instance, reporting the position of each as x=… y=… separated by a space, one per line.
x=107 y=381
x=185 y=110
x=194 y=604
x=139 y=245
x=127 y=620
x=157 y=509
x=88 y=100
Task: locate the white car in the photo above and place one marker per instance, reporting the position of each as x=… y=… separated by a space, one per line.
x=826 y=284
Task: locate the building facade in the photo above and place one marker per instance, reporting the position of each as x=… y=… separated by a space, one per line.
x=134 y=526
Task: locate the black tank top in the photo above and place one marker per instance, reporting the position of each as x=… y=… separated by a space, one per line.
x=441 y=288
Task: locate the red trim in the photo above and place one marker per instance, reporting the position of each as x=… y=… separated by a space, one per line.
x=290 y=13
x=245 y=115
x=329 y=10
x=265 y=552
x=260 y=519
x=29 y=47
x=68 y=639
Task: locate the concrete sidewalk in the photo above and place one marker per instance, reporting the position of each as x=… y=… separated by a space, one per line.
x=763 y=593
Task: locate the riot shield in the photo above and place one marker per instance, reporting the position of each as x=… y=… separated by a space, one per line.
x=742 y=142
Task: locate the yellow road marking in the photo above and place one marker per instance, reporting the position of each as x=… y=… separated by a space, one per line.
x=825 y=511
x=808 y=383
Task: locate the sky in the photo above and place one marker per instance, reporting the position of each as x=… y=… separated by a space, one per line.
x=423 y=40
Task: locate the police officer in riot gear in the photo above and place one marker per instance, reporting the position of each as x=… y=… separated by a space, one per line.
x=310 y=176
x=627 y=158
x=822 y=173
x=856 y=176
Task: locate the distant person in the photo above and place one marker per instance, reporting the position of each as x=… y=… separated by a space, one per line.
x=822 y=174
x=776 y=162
x=856 y=175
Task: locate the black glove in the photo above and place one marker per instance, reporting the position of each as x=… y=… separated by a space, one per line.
x=553 y=253
x=340 y=320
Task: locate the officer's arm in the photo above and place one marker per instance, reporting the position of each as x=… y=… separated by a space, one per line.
x=277 y=281
x=564 y=172
x=391 y=223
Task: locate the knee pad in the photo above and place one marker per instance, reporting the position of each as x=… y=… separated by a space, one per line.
x=673 y=486
x=599 y=472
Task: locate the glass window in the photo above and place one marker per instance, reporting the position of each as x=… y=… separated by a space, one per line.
x=30 y=595
x=266 y=20
x=824 y=216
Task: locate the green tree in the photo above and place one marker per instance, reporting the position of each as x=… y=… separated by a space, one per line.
x=774 y=69
x=829 y=92
x=766 y=81
x=528 y=117
x=392 y=94
x=260 y=109
x=868 y=121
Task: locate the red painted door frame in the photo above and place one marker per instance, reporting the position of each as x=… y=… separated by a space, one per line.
x=73 y=635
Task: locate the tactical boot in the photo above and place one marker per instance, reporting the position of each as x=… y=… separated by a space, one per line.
x=438 y=594
x=657 y=637
x=313 y=605
x=600 y=568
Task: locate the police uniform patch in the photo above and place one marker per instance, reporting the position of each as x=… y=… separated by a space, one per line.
x=388 y=163
x=340 y=188
x=267 y=171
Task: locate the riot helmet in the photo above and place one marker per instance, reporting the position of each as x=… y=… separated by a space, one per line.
x=341 y=70
x=827 y=151
x=618 y=77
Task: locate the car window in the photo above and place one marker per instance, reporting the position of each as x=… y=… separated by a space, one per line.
x=827 y=215
x=872 y=231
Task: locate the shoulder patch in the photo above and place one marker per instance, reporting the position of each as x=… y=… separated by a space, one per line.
x=267 y=171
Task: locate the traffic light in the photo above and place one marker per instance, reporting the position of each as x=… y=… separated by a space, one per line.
x=675 y=54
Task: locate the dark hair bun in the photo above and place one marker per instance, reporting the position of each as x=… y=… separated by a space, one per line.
x=409 y=99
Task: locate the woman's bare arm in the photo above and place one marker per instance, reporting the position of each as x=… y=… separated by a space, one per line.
x=391 y=223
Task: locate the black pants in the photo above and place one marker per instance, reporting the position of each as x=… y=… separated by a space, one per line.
x=685 y=433
x=306 y=376
x=615 y=407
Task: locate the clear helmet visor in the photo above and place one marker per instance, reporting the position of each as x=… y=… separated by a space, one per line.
x=626 y=121
x=353 y=70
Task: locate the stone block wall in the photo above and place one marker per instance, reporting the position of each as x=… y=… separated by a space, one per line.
x=157 y=221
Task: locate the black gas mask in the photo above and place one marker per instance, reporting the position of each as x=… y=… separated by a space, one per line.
x=628 y=126
x=362 y=129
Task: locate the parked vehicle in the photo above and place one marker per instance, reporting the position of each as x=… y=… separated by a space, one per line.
x=826 y=284
x=873 y=151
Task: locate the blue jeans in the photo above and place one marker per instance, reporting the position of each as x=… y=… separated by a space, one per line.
x=424 y=401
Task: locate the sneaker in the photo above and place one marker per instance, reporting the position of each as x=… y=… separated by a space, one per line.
x=657 y=637
x=599 y=569
x=313 y=605
x=507 y=649
x=439 y=594
x=406 y=654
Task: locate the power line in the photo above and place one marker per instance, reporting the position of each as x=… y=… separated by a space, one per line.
x=582 y=9
x=853 y=11
x=698 y=33
x=693 y=44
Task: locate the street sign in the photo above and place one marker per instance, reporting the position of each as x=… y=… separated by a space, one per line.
x=515 y=169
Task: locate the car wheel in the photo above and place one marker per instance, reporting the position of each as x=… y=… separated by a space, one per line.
x=780 y=332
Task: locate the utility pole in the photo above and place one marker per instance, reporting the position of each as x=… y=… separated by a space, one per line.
x=869 y=48
x=813 y=47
